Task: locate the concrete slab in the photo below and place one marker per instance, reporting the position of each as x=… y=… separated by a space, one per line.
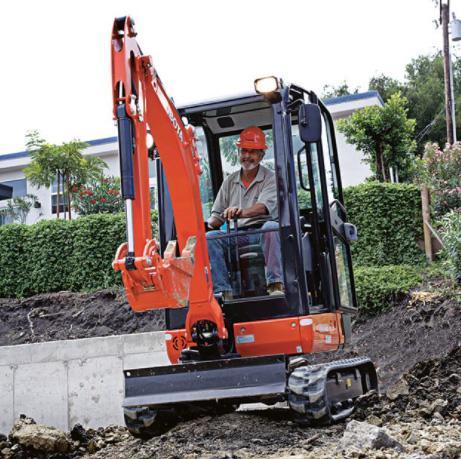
x=145 y=360
x=96 y=392
x=40 y=391
x=29 y=353
x=6 y=399
x=90 y=347
x=144 y=342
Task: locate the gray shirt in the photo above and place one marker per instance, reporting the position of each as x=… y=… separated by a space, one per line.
x=233 y=193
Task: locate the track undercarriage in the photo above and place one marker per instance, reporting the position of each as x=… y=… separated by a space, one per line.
x=157 y=398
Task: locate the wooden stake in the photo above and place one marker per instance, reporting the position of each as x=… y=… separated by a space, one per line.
x=426 y=223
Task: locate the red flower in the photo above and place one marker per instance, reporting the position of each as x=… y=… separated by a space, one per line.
x=93 y=201
x=75 y=188
x=89 y=193
x=103 y=199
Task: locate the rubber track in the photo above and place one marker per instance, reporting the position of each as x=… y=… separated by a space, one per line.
x=307 y=395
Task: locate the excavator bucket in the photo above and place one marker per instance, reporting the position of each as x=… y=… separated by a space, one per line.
x=152 y=282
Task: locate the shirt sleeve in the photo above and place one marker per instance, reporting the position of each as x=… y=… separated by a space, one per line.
x=268 y=196
x=221 y=203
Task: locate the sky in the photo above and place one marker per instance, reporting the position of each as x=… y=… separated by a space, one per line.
x=55 y=74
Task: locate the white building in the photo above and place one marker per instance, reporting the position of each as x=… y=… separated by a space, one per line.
x=353 y=170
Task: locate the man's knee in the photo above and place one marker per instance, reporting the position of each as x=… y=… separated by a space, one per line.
x=212 y=233
x=270 y=225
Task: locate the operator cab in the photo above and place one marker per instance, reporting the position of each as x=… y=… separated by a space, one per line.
x=314 y=235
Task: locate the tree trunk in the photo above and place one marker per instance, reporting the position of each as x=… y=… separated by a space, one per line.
x=57 y=195
x=64 y=197
x=68 y=196
x=380 y=175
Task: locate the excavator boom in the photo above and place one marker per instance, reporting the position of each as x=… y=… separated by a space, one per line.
x=141 y=105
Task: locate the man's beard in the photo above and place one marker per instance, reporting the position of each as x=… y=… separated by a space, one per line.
x=249 y=166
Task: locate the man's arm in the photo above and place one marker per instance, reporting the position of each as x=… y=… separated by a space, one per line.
x=219 y=206
x=253 y=211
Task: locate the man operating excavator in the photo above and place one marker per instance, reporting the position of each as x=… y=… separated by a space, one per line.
x=250 y=196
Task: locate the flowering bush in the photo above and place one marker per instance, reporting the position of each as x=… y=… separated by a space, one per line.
x=441 y=171
x=97 y=197
x=451 y=234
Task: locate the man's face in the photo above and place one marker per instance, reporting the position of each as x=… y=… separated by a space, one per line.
x=249 y=159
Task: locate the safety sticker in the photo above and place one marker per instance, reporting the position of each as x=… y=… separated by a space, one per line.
x=246 y=339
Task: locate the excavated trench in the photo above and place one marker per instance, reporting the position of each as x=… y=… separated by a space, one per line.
x=416 y=347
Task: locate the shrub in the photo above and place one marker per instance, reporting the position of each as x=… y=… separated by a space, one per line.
x=95 y=240
x=56 y=255
x=99 y=196
x=380 y=288
x=12 y=258
x=389 y=223
x=48 y=246
x=451 y=233
x=440 y=170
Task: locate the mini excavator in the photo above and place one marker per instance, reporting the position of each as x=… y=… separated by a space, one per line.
x=254 y=347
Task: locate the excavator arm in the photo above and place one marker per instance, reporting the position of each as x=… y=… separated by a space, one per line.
x=141 y=106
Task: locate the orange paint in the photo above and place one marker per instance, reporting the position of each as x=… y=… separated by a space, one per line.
x=293 y=335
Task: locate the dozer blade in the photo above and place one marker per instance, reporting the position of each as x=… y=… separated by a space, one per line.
x=237 y=379
x=325 y=393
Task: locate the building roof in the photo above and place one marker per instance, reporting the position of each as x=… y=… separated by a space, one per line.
x=328 y=102
x=353 y=97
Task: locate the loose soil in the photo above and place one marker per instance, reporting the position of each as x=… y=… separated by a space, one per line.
x=416 y=347
x=66 y=315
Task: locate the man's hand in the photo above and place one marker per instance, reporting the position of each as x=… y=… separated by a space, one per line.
x=232 y=212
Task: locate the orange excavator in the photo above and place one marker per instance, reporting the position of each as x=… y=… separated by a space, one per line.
x=249 y=346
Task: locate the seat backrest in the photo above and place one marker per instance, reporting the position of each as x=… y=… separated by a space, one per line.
x=307 y=252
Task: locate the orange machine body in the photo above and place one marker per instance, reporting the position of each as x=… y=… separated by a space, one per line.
x=295 y=335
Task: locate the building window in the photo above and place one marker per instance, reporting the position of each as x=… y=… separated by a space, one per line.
x=63 y=207
x=5 y=220
x=19 y=187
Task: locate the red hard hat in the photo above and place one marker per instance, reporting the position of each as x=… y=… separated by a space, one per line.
x=252 y=138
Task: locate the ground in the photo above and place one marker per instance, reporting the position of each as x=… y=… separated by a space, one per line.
x=415 y=346
x=66 y=315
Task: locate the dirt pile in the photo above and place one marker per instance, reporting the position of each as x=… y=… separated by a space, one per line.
x=422 y=421
x=66 y=315
x=426 y=326
x=431 y=390
x=416 y=347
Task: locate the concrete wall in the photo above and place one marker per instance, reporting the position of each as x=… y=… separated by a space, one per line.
x=61 y=383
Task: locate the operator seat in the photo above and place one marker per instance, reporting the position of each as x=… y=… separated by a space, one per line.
x=252 y=263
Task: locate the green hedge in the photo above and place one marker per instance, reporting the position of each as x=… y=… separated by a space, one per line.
x=380 y=288
x=13 y=256
x=389 y=223
x=56 y=255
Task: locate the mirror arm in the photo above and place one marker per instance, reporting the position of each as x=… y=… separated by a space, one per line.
x=300 y=173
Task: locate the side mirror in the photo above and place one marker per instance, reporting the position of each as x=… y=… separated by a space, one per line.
x=310 y=123
x=350 y=232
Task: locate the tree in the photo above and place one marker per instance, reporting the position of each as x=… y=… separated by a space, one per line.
x=386 y=86
x=385 y=136
x=424 y=89
x=337 y=91
x=75 y=169
x=64 y=163
x=42 y=169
